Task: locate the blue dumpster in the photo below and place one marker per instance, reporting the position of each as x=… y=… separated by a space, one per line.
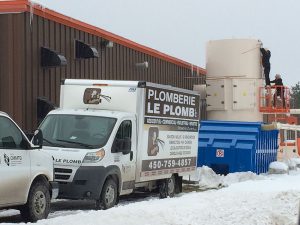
x=228 y=147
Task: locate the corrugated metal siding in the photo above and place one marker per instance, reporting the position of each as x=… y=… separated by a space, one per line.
x=266 y=150
x=22 y=78
x=11 y=65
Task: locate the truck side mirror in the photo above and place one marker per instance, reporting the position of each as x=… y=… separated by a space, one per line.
x=37 y=139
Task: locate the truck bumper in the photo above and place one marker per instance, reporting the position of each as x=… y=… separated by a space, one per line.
x=54 y=189
x=87 y=183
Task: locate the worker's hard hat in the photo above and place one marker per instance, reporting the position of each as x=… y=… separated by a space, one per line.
x=277 y=76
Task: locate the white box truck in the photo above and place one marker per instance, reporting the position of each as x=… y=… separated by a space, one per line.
x=26 y=173
x=109 y=138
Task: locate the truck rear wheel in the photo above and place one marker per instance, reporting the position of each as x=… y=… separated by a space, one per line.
x=167 y=187
x=109 y=195
x=38 y=203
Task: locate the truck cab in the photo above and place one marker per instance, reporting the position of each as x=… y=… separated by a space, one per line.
x=26 y=172
x=88 y=146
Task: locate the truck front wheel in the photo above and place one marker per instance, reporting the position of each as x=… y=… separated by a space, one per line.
x=109 y=195
x=38 y=203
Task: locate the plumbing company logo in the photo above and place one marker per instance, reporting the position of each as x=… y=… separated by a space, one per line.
x=93 y=96
x=6 y=159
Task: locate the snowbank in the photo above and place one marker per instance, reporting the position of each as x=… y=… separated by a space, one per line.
x=271 y=200
x=278 y=168
x=248 y=199
x=296 y=161
x=206 y=178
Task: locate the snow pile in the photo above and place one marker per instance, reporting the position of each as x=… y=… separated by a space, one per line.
x=296 y=161
x=8 y=213
x=208 y=179
x=278 y=168
x=241 y=177
x=291 y=164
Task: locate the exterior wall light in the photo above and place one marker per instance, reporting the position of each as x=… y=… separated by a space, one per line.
x=143 y=65
x=106 y=44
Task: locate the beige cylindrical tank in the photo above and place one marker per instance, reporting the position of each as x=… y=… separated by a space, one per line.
x=234 y=75
x=233 y=57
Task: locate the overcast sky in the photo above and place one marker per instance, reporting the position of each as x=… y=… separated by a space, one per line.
x=182 y=28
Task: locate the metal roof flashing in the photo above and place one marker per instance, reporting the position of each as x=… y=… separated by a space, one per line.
x=19 y=6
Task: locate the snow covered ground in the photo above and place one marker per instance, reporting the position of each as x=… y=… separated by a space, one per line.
x=244 y=199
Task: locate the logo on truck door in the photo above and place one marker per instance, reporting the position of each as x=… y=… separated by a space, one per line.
x=6 y=159
x=93 y=96
x=12 y=160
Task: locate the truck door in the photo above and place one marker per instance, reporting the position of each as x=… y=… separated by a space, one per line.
x=127 y=162
x=14 y=163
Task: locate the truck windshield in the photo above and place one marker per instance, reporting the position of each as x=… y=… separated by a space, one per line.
x=77 y=131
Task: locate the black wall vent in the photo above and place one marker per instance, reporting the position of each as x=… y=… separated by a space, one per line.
x=50 y=58
x=84 y=51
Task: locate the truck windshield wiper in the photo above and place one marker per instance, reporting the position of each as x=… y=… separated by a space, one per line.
x=75 y=142
x=51 y=143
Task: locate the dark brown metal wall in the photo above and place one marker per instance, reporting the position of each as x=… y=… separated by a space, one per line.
x=22 y=79
x=11 y=65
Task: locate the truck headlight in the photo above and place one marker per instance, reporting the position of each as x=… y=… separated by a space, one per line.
x=93 y=157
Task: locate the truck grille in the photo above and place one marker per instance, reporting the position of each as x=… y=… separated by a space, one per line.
x=62 y=177
x=62 y=170
x=62 y=173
